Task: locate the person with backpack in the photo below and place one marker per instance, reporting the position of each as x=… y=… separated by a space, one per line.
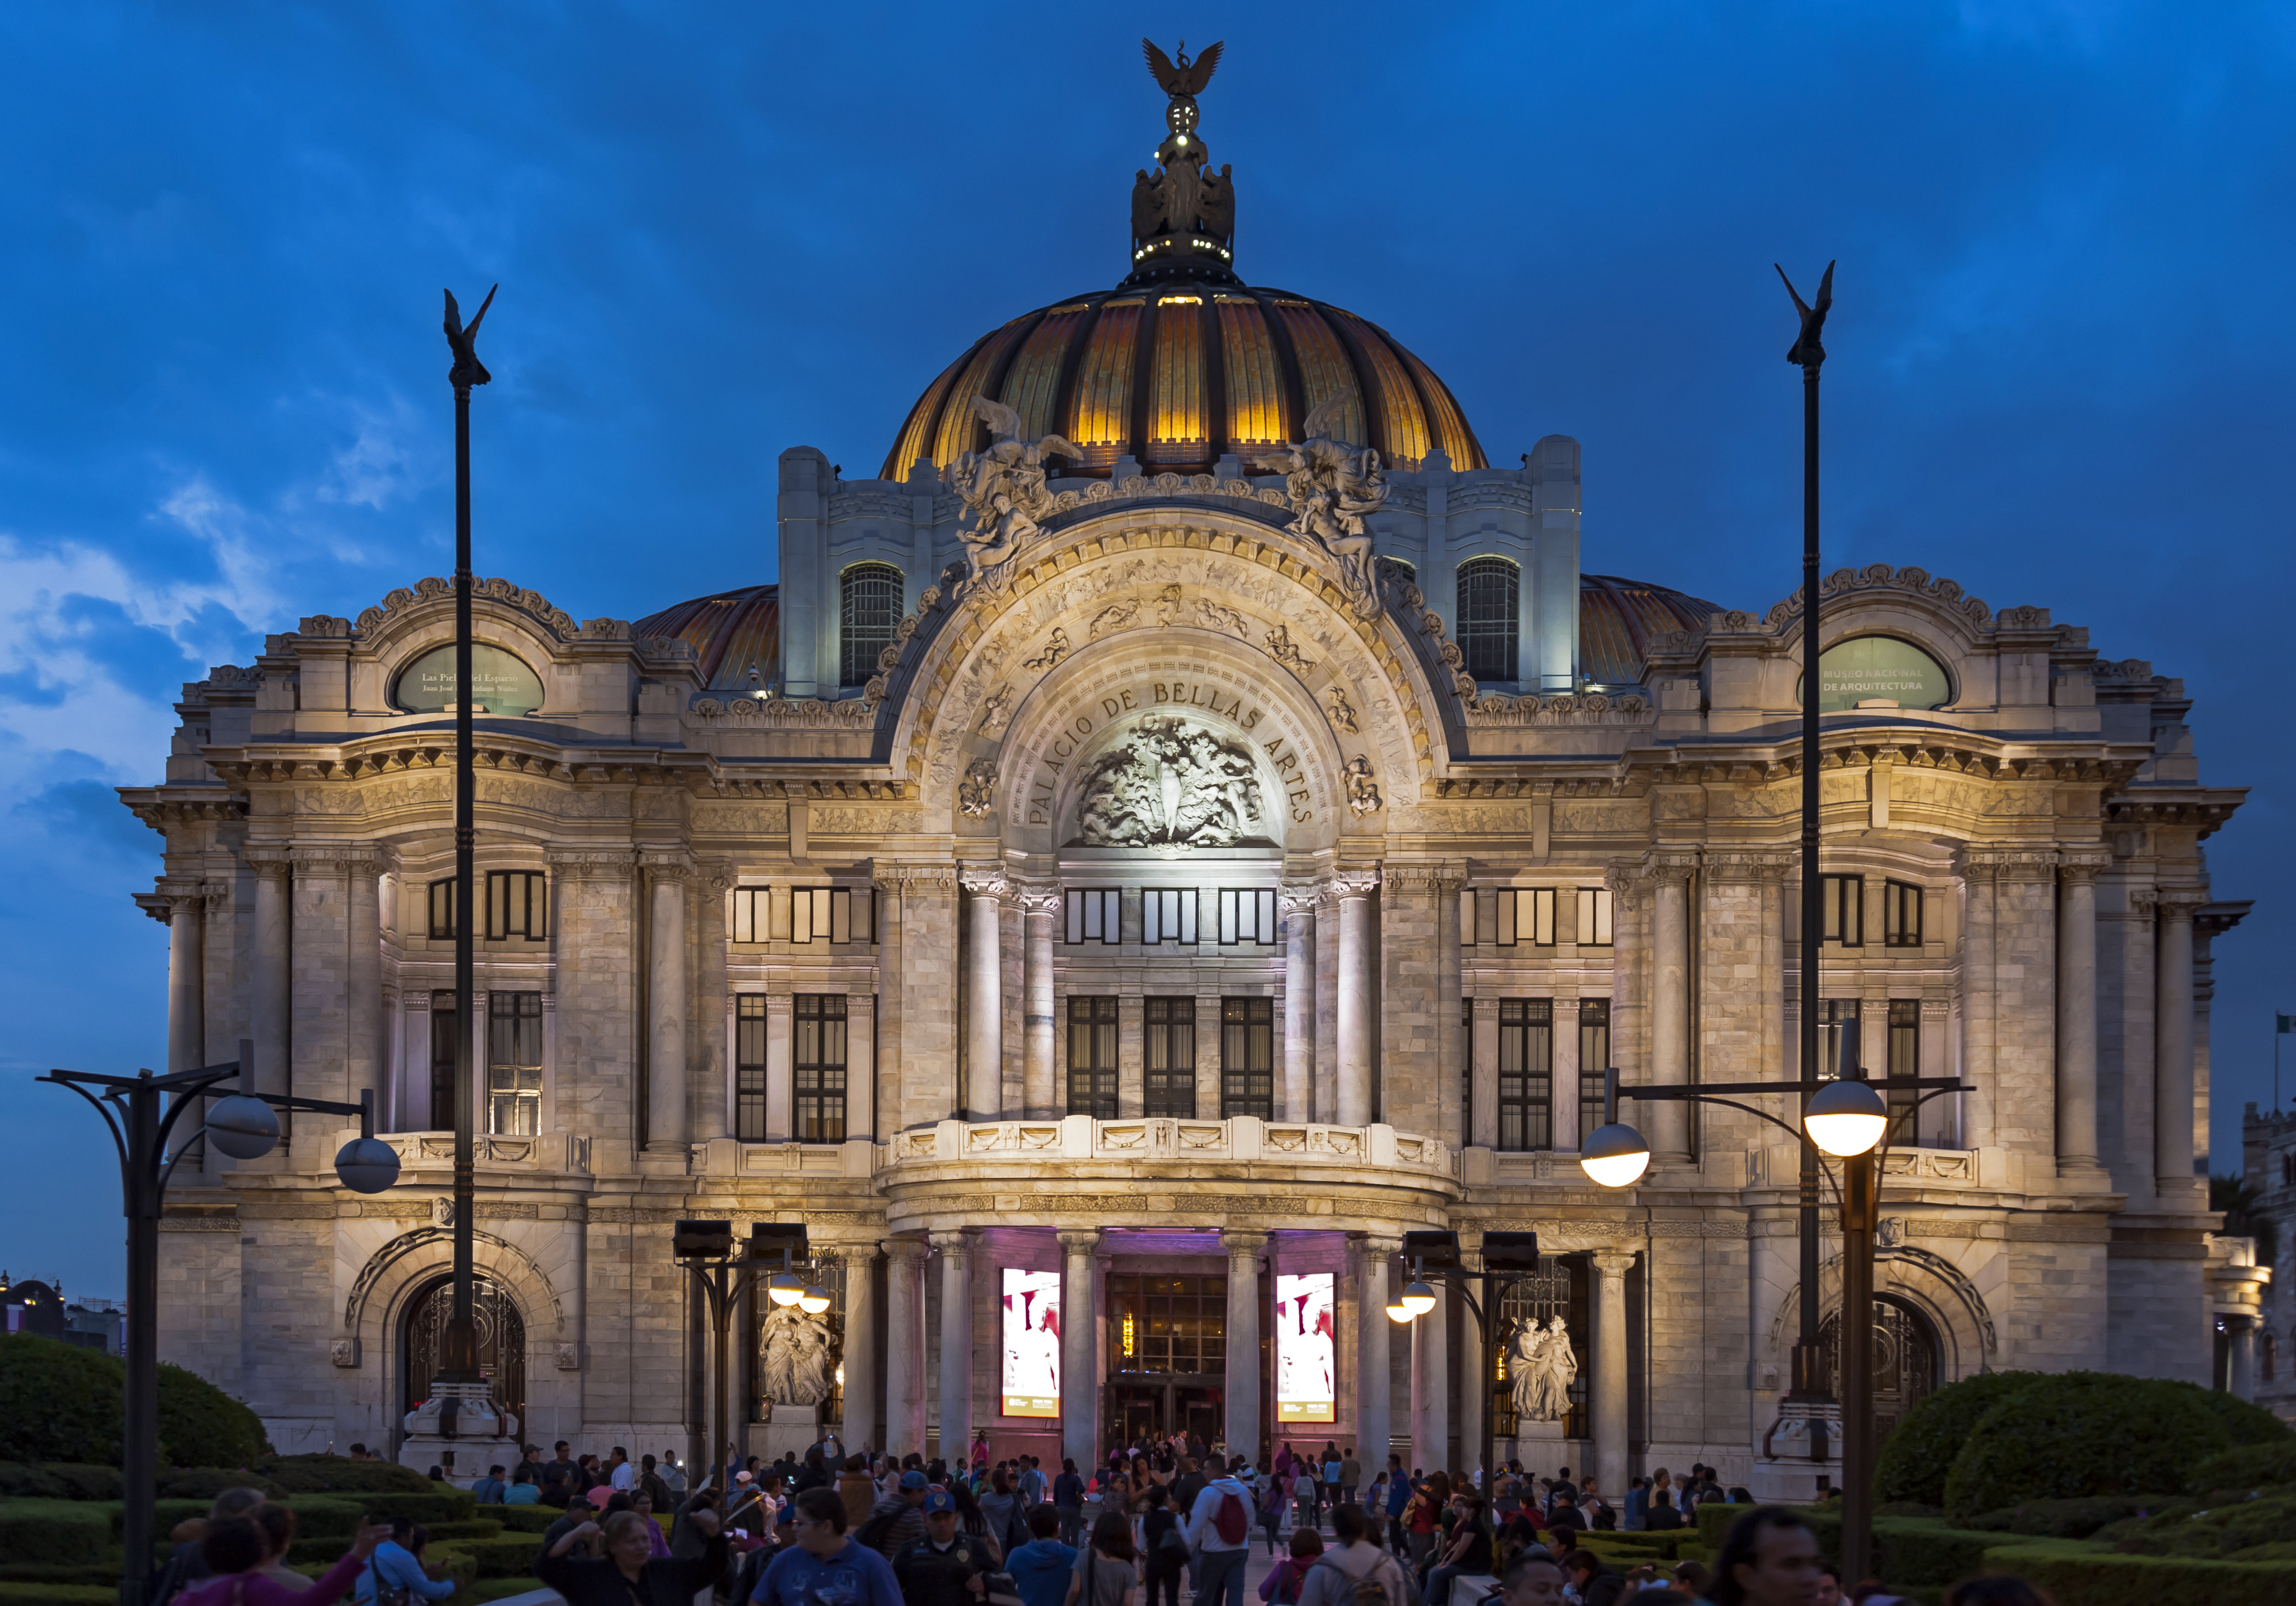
x=1164 y=1550
x=1274 y=1493
x=1220 y=1533
x=1068 y=1500
x=1357 y=1571
x=1281 y=1586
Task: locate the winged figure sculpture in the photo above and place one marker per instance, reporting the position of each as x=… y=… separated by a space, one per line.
x=1004 y=490
x=1333 y=486
x=1182 y=77
x=464 y=340
x=1805 y=352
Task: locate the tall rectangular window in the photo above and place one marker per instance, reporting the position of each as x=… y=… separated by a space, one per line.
x=517 y=905
x=1168 y=1058
x=1489 y=620
x=443 y=1021
x=749 y=1066
x=1842 y=898
x=1593 y=917
x=820 y=914
x=869 y=614
x=1905 y=1060
x=1594 y=1059
x=1247 y=1057
x=1092 y=1057
x=1167 y=914
x=515 y=1064
x=1901 y=916
x=752 y=907
x=817 y=1068
x=1526 y=1074
x=1247 y=914
x=1834 y=1015
x=1526 y=915
x=1095 y=914
x=442 y=910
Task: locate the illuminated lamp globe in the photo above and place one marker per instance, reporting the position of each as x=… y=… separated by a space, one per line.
x=1418 y=1298
x=1399 y=1312
x=244 y=1128
x=814 y=1300
x=366 y=1165
x=1846 y=1117
x=1615 y=1155
x=785 y=1288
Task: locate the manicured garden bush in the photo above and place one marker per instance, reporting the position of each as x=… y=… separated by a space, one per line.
x=19 y=1481
x=55 y=1532
x=83 y=1481
x=2248 y=1467
x=57 y=1594
x=205 y=1483
x=2075 y=1571
x=2228 y=1530
x=61 y=1403
x=2063 y=1518
x=509 y=1557
x=2082 y=1434
x=522 y=1519
x=1919 y=1453
x=331 y=1474
x=2248 y=1423
x=102 y=1574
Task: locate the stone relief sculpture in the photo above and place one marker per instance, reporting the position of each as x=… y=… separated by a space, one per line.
x=1284 y=651
x=1363 y=796
x=1541 y=1359
x=1167 y=606
x=1212 y=616
x=1004 y=490
x=1172 y=784
x=1342 y=711
x=995 y=710
x=794 y=1359
x=1115 y=616
x=1056 y=648
x=976 y=793
x=1333 y=488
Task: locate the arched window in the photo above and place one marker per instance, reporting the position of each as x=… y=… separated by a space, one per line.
x=1487 y=627
x=869 y=598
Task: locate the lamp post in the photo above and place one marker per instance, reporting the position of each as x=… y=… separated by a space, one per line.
x=142 y=1110
x=706 y=1249
x=1844 y=1117
x=1508 y=1258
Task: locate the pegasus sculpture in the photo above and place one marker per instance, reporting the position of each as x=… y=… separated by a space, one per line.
x=1333 y=486
x=1004 y=490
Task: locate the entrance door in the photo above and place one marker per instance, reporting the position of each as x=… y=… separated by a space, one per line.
x=502 y=1342
x=1197 y=1411
x=1140 y=1413
x=1136 y=1413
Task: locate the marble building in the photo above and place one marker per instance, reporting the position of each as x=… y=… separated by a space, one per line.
x=1191 y=818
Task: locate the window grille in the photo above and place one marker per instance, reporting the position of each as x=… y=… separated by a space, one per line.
x=1558 y=1288
x=1247 y=1057
x=1092 y=1057
x=1526 y=915
x=1526 y=1074
x=817 y=1068
x=515 y=1064
x=1594 y=1059
x=1169 y=1325
x=1489 y=617
x=1168 y=1058
x=1842 y=898
x=1095 y=914
x=869 y=598
x=750 y=1067
x=1905 y=1060
x=1901 y=916
x=1593 y=917
x=831 y=914
x=443 y=1023
x=517 y=905
x=1167 y=914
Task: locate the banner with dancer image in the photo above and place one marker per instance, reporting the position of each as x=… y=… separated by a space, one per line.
x=1307 y=1358
x=1032 y=1343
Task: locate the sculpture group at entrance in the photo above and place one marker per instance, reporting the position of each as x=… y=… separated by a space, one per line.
x=1541 y=1365
x=1172 y=784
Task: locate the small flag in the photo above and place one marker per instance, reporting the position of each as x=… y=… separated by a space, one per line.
x=2287 y=1023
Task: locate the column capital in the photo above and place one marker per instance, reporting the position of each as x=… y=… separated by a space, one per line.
x=1613 y=1263
x=1383 y=1244
x=1484 y=1008
x=954 y=1245
x=983 y=878
x=2083 y=864
x=2007 y=863
x=1356 y=880
x=217 y=894
x=2181 y=903
x=1628 y=880
x=1671 y=868
x=667 y=863
x=1037 y=899
x=1299 y=897
x=1080 y=1241
x=904 y=1250
x=268 y=860
x=1440 y=877
x=1748 y=869
x=590 y=866
x=1238 y=1242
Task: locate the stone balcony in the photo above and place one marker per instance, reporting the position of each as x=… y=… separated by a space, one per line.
x=1239 y=1138
x=545 y=1153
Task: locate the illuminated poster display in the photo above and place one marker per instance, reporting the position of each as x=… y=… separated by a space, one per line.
x=1307 y=1363
x=1032 y=1343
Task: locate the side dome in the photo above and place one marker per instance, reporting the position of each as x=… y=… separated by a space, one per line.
x=737 y=634
x=1617 y=619
x=1176 y=376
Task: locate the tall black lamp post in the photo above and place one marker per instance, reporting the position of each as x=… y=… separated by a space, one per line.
x=706 y=1249
x=142 y=1112
x=1508 y=1258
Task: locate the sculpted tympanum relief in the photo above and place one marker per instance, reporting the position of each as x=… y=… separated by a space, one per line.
x=1172 y=783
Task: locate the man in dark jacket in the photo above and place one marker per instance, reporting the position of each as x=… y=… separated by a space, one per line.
x=1597 y=1585
x=898 y=1520
x=1068 y=1500
x=946 y=1568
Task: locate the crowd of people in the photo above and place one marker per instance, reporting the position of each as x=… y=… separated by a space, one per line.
x=826 y=1529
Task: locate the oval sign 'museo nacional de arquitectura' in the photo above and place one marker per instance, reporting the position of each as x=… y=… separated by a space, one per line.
x=1879 y=667
x=500 y=683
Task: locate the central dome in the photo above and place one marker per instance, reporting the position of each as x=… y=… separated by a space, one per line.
x=1183 y=363
x=1176 y=376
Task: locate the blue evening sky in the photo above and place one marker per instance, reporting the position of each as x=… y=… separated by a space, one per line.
x=2060 y=363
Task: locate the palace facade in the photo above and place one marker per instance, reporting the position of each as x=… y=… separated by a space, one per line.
x=1137 y=864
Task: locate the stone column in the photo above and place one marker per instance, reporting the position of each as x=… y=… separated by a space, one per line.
x=1375 y=1402
x=891 y=1111
x=905 y=1345
x=363 y=983
x=712 y=1038
x=2077 y=1084
x=1670 y=1005
x=984 y=993
x=1243 y=1251
x=1430 y=1384
x=1357 y=1005
x=1483 y=1076
x=1473 y=1363
x=1327 y=1004
x=955 y=1250
x=1563 y=1055
x=318 y=1000
x=863 y=1402
x=2172 y=1080
x=1298 y=1003
x=860 y=1063
x=1450 y=1049
x=780 y=1096
x=1040 y=1085
x=1608 y=1394
x=187 y=1029
x=667 y=1132
x=1980 y=1007
x=1079 y=1358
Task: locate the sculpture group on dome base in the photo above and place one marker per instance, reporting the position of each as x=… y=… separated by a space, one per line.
x=1333 y=487
x=1002 y=489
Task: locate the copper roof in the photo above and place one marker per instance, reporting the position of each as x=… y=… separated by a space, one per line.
x=732 y=632
x=1176 y=376
x=1617 y=619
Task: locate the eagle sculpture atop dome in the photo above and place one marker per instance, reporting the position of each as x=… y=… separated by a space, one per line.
x=1184 y=215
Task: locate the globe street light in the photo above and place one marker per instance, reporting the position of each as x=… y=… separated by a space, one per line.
x=1846 y=1118
x=1614 y=1154
x=1507 y=1258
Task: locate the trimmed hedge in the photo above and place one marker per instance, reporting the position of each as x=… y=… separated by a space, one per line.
x=2247 y=1423
x=2080 y=1434
x=336 y=1474
x=2224 y=1531
x=1920 y=1451
x=501 y=1558
x=2248 y=1467
x=2063 y=1518
x=55 y=1532
x=2074 y=1571
x=501 y=1589
x=57 y=1594
x=105 y=1575
x=205 y=1483
x=521 y=1518
x=61 y=1403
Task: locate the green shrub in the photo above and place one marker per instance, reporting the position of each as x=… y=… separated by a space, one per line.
x=201 y=1426
x=57 y=1532
x=2248 y=1467
x=83 y=1481
x=522 y=1519
x=2063 y=1518
x=2248 y=1423
x=498 y=1589
x=504 y=1558
x=57 y=1594
x=2073 y=1571
x=1920 y=1450
x=2081 y=1434
x=2189 y=1528
x=332 y=1474
x=205 y=1483
x=61 y=1403
x=18 y=1481
x=104 y=1575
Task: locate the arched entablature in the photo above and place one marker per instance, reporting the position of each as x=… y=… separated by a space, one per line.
x=1139 y=587
x=1959 y=631
x=1968 y=1342
x=409 y=624
x=393 y=1271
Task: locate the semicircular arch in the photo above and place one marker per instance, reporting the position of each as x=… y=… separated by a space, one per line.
x=1968 y=1342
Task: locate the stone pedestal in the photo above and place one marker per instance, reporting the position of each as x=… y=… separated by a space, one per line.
x=461 y=1429
x=1787 y=1470
x=786 y=1427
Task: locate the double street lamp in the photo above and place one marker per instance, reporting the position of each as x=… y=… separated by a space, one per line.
x=1848 y=1118
x=706 y=1249
x=142 y=1112
x=1508 y=1258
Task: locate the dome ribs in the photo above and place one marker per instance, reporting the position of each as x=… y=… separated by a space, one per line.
x=960 y=431
x=915 y=439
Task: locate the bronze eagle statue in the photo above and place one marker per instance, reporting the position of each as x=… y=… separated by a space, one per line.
x=1806 y=351
x=463 y=343
x=1184 y=76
